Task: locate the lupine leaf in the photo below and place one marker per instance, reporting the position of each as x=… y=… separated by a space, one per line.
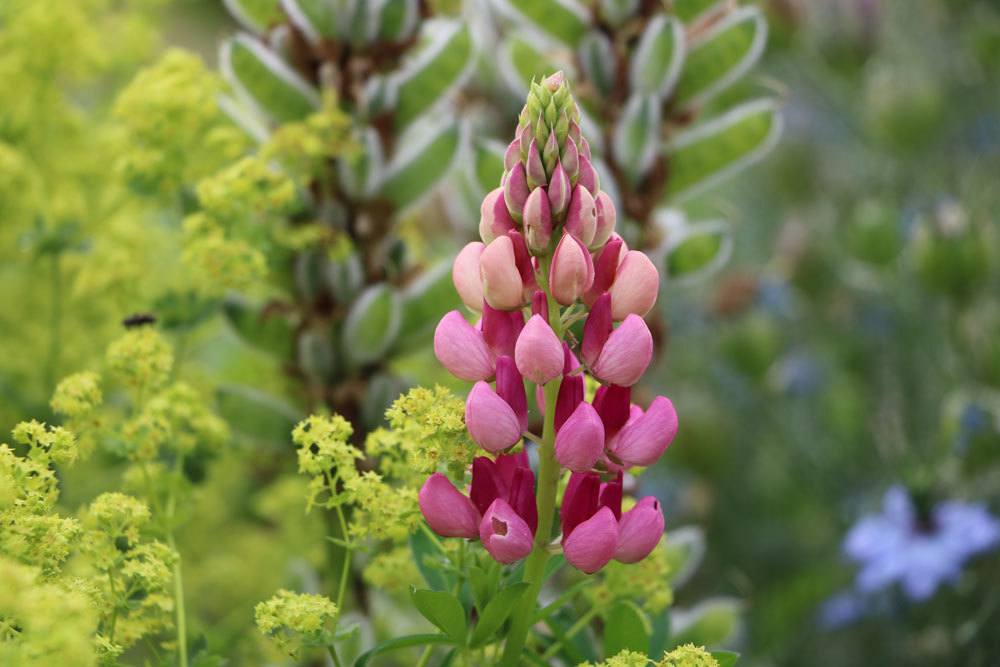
x=496 y=612
x=425 y=160
x=657 y=61
x=625 y=627
x=688 y=10
x=725 y=658
x=521 y=62
x=443 y=610
x=372 y=324
x=637 y=135
x=397 y=18
x=256 y=414
x=255 y=15
x=617 y=12
x=565 y=20
x=721 y=147
x=709 y=623
x=434 y=71
x=427 y=556
x=362 y=172
x=265 y=81
x=424 y=302
x=721 y=56
x=382 y=390
x=700 y=250
x=272 y=333
x=597 y=59
x=400 y=642
x=685 y=549
x=488 y=164
x=316 y=18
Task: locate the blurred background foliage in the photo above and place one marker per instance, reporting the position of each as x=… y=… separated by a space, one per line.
x=850 y=343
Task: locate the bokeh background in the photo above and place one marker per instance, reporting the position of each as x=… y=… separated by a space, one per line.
x=845 y=356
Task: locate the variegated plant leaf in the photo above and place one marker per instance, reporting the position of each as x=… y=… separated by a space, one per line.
x=428 y=152
x=637 y=135
x=566 y=20
x=266 y=82
x=255 y=15
x=657 y=61
x=597 y=59
x=317 y=19
x=434 y=71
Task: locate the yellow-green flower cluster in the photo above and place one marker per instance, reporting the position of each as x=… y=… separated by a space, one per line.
x=47 y=444
x=382 y=510
x=326 y=455
x=646 y=582
x=77 y=395
x=392 y=571
x=172 y=127
x=252 y=190
x=141 y=360
x=624 y=659
x=687 y=655
x=297 y=620
x=304 y=149
x=176 y=417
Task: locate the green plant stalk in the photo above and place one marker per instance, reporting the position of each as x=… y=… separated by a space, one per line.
x=548 y=482
x=182 y=656
x=574 y=629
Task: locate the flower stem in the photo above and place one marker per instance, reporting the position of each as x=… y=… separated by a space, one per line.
x=574 y=629
x=346 y=569
x=333 y=654
x=182 y=656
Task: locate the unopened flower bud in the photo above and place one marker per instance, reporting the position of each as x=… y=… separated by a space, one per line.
x=639 y=531
x=515 y=190
x=642 y=440
x=512 y=155
x=537 y=220
x=605 y=268
x=448 y=512
x=636 y=286
x=535 y=170
x=570 y=159
x=539 y=353
x=465 y=275
x=494 y=218
x=502 y=284
x=626 y=354
x=572 y=271
x=580 y=440
x=593 y=542
x=491 y=421
x=550 y=154
x=587 y=176
x=607 y=217
x=581 y=218
x=461 y=349
x=540 y=305
x=559 y=192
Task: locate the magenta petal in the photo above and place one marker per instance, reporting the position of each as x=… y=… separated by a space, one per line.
x=522 y=497
x=448 y=512
x=461 y=349
x=613 y=403
x=505 y=535
x=639 y=531
x=642 y=440
x=579 y=500
x=487 y=483
x=611 y=495
x=538 y=353
x=580 y=441
x=559 y=192
x=626 y=354
x=570 y=395
x=540 y=305
x=501 y=328
x=491 y=421
x=535 y=170
x=596 y=330
x=605 y=267
x=592 y=543
x=510 y=387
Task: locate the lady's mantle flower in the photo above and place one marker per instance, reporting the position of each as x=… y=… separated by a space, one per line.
x=920 y=553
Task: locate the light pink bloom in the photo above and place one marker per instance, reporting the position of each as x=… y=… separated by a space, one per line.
x=448 y=512
x=580 y=440
x=539 y=353
x=636 y=286
x=461 y=349
x=593 y=542
x=644 y=438
x=502 y=285
x=572 y=270
x=607 y=217
x=626 y=354
x=512 y=155
x=515 y=190
x=505 y=535
x=465 y=275
x=581 y=217
x=596 y=330
x=491 y=421
x=639 y=530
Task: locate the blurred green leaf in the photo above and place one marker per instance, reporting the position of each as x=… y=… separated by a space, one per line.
x=488 y=164
x=597 y=58
x=636 y=135
x=708 y=623
x=443 y=610
x=256 y=15
x=427 y=558
x=400 y=642
x=317 y=19
x=266 y=81
x=424 y=302
x=496 y=612
x=688 y=10
x=270 y=332
x=659 y=56
x=703 y=249
x=520 y=63
x=256 y=414
x=398 y=18
x=725 y=658
x=414 y=173
x=625 y=627
x=554 y=18
x=372 y=324
x=433 y=72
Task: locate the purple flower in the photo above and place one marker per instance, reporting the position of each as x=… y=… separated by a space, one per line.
x=896 y=545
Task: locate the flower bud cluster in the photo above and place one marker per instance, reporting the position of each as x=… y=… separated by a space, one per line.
x=550 y=256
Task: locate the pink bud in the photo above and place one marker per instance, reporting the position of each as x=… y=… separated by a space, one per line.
x=559 y=192
x=501 y=328
x=515 y=190
x=588 y=177
x=607 y=217
x=580 y=500
x=605 y=268
x=570 y=395
x=525 y=135
x=510 y=387
x=584 y=147
x=596 y=330
x=614 y=405
x=570 y=159
x=535 y=170
x=642 y=440
x=522 y=259
x=461 y=349
x=636 y=286
x=574 y=132
x=512 y=155
x=639 y=530
x=540 y=305
x=465 y=275
x=554 y=80
x=448 y=512
x=592 y=543
x=491 y=421
x=505 y=535
x=572 y=270
x=494 y=219
x=626 y=354
x=539 y=353
x=538 y=220
x=581 y=217
x=580 y=441
x=502 y=284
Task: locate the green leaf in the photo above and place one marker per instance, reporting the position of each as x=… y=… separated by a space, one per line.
x=361 y=172
x=488 y=165
x=443 y=610
x=265 y=81
x=699 y=250
x=433 y=71
x=616 y=12
x=636 y=135
x=400 y=642
x=658 y=59
x=597 y=58
x=256 y=15
x=317 y=19
x=688 y=10
x=382 y=390
x=483 y=585
x=372 y=324
x=625 y=627
x=496 y=612
x=564 y=21
x=270 y=332
x=425 y=160
x=685 y=549
x=256 y=414
x=713 y=151
x=427 y=558
x=725 y=658
x=520 y=63
x=709 y=623
x=397 y=19
x=424 y=302
x=660 y=635
x=721 y=56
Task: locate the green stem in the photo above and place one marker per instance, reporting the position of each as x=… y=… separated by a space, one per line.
x=346 y=569
x=425 y=657
x=575 y=628
x=182 y=656
x=333 y=654
x=561 y=600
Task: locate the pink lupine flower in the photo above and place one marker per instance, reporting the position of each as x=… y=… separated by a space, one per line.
x=505 y=535
x=494 y=218
x=510 y=387
x=613 y=403
x=540 y=305
x=640 y=530
x=535 y=170
x=581 y=217
x=644 y=438
x=596 y=330
x=515 y=190
x=465 y=275
x=572 y=270
x=512 y=155
x=559 y=191
x=626 y=353
x=462 y=349
x=509 y=478
x=448 y=512
x=523 y=262
x=607 y=217
x=589 y=517
x=592 y=543
x=636 y=286
x=580 y=439
x=605 y=267
x=588 y=177
x=538 y=220
x=539 y=352
x=501 y=328
x=492 y=422
x=502 y=284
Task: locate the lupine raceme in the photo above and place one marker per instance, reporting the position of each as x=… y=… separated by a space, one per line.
x=550 y=257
